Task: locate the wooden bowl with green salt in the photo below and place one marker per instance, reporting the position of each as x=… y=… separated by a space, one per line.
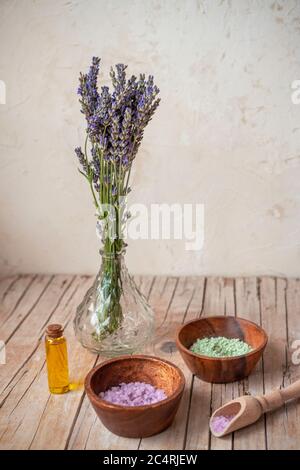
x=221 y=349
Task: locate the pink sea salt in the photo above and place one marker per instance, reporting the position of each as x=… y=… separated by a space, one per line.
x=219 y=423
x=133 y=394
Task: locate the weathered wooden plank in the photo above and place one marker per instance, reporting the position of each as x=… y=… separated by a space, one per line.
x=31 y=291
x=220 y=300
x=22 y=425
x=181 y=308
x=220 y=297
x=196 y=305
x=6 y=282
x=197 y=435
x=215 y=302
x=292 y=410
x=12 y=289
x=273 y=310
x=248 y=306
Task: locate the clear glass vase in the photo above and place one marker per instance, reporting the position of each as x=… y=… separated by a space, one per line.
x=114 y=318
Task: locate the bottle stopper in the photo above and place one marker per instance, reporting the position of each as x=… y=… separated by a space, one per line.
x=54 y=330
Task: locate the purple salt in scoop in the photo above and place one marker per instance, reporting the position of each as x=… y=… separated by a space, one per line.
x=133 y=394
x=219 y=423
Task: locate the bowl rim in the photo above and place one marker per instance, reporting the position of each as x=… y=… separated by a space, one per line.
x=222 y=358
x=106 y=404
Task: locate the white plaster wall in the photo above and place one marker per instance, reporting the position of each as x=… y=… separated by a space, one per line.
x=226 y=133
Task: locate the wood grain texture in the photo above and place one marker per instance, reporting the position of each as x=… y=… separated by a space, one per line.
x=180 y=307
x=248 y=306
x=32 y=418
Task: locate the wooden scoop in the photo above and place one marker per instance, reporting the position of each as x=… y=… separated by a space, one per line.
x=247 y=409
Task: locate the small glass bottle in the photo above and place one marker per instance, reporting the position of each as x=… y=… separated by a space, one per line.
x=57 y=359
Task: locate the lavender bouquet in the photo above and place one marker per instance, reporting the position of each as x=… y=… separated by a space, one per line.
x=115 y=121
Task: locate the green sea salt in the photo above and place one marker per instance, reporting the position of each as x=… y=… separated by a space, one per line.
x=220 y=346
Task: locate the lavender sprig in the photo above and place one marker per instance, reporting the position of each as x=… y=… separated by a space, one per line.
x=115 y=122
x=115 y=126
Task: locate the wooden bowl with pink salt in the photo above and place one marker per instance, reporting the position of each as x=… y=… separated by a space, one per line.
x=135 y=395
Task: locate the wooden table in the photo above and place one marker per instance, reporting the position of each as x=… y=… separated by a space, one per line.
x=31 y=418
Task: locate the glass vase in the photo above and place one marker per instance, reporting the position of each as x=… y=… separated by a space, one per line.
x=114 y=318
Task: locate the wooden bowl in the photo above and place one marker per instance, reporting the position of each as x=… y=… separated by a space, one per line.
x=136 y=421
x=225 y=369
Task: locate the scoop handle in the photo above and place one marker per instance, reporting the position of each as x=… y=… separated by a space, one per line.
x=291 y=392
x=277 y=398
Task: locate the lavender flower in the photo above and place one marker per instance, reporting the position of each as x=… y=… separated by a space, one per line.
x=81 y=159
x=115 y=126
x=88 y=88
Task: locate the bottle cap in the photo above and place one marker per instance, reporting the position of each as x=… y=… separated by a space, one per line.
x=55 y=330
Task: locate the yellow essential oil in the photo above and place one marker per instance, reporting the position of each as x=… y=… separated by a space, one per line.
x=57 y=359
